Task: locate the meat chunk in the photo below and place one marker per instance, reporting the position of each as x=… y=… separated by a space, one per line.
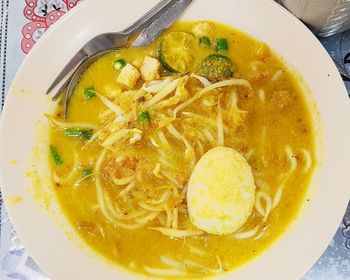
x=128 y=76
x=150 y=69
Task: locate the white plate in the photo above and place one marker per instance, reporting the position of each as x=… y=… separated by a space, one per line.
x=292 y=255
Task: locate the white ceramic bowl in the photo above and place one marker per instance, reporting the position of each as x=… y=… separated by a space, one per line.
x=45 y=240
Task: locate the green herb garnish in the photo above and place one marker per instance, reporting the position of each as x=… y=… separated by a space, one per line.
x=144 y=117
x=204 y=41
x=89 y=93
x=87 y=172
x=221 y=45
x=119 y=64
x=85 y=134
x=55 y=155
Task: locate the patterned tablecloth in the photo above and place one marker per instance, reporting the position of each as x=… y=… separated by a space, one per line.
x=22 y=24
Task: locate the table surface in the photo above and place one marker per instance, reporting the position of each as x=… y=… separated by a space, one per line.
x=39 y=15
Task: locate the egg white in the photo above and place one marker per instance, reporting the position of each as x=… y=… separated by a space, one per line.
x=221 y=191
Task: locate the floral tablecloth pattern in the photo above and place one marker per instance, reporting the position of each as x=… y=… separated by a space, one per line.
x=22 y=23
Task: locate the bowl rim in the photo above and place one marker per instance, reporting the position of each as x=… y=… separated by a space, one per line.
x=312 y=249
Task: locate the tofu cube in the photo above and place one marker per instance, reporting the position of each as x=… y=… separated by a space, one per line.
x=202 y=29
x=128 y=76
x=150 y=69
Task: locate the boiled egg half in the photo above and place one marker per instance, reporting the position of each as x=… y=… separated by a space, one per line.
x=221 y=192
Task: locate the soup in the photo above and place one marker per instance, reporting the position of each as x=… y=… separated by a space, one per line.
x=142 y=125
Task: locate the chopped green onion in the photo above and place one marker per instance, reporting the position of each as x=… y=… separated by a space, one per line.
x=85 y=134
x=55 y=155
x=221 y=45
x=144 y=117
x=119 y=64
x=204 y=41
x=89 y=93
x=87 y=172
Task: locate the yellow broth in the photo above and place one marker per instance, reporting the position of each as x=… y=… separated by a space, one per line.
x=276 y=117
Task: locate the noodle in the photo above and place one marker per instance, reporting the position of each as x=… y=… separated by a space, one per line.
x=201 y=120
x=180 y=94
x=220 y=127
x=168 y=218
x=210 y=137
x=236 y=82
x=162 y=199
x=151 y=208
x=78 y=182
x=176 y=233
x=156 y=86
x=171 y=179
x=292 y=160
x=123 y=133
x=156 y=171
x=307 y=160
x=163 y=93
x=202 y=267
x=277 y=197
x=99 y=190
x=262 y=149
x=247 y=234
x=113 y=107
x=277 y=75
x=189 y=152
x=293 y=165
x=165 y=122
x=163 y=271
x=174 y=132
x=249 y=154
x=261 y=93
x=170 y=262
x=74 y=171
x=260 y=195
x=163 y=139
x=262 y=184
x=200 y=135
x=197 y=251
x=127 y=189
x=203 y=80
x=147 y=219
x=174 y=223
x=153 y=141
x=123 y=181
x=104 y=201
x=233 y=100
x=200 y=147
x=70 y=124
x=96 y=134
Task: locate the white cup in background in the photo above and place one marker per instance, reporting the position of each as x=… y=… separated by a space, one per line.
x=324 y=17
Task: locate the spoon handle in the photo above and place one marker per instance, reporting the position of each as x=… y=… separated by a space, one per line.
x=164 y=21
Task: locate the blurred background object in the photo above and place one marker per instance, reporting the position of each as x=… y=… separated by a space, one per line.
x=324 y=17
